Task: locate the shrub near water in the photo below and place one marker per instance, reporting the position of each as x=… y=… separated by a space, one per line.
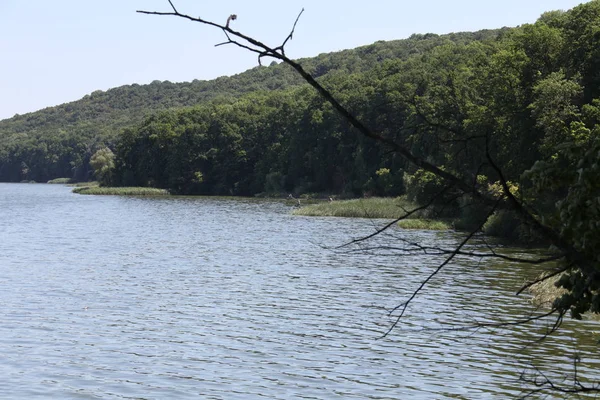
x=121 y=191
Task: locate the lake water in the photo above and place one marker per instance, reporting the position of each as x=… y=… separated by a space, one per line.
x=168 y=298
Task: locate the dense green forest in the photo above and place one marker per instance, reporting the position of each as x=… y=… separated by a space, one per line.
x=525 y=94
x=59 y=141
x=521 y=93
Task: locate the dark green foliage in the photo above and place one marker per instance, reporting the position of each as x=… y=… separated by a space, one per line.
x=265 y=142
x=59 y=141
x=505 y=224
x=422 y=186
x=103 y=163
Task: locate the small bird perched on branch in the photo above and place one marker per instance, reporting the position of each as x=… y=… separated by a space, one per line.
x=232 y=17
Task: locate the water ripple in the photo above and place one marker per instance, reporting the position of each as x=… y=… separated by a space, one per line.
x=129 y=298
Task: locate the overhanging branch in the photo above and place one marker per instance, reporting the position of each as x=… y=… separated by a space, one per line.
x=403 y=307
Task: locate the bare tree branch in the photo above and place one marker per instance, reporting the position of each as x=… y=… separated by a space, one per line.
x=402 y=307
x=405 y=216
x=291 y=35
x=172 y=6
x=545 y=277
x=511 y=323
x=542 y=383
x=440 y=251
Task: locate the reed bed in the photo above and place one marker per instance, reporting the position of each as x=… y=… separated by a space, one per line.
x=121 y=191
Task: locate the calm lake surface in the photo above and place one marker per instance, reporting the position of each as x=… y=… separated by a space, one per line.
x=168 y=298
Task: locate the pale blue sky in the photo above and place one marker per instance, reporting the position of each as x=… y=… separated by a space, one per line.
x=57 y=51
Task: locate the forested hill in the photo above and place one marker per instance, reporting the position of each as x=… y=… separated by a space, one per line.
x=58 y=141
x=523 y=97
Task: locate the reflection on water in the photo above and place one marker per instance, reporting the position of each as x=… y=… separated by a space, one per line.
x=108 y=297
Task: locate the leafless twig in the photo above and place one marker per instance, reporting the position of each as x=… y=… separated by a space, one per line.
x=402 y=307
x=404 y=216
x=541 y=383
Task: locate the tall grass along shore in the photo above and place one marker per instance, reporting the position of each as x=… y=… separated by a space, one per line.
x=121 y=191
x=60 y=181
x=374 y=207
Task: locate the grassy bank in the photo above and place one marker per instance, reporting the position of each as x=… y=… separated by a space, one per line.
x=85 y=184
x=60 y=181
x=545 y=292
x=374 y=207
x=121 y=191
x=424 y=224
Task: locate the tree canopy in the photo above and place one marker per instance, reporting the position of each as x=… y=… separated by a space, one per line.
x=59 y=141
